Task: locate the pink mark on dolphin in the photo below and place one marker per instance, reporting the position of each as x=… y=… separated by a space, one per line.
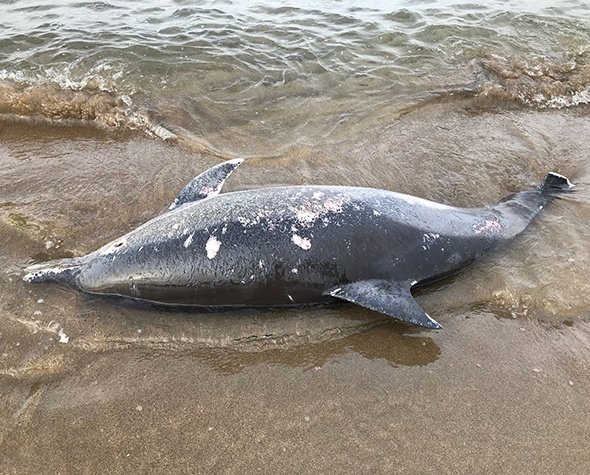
x=491 y=225
x=303 y=243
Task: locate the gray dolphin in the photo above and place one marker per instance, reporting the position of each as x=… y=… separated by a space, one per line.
x=297 y=245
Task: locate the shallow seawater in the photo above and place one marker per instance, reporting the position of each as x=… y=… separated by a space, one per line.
x=108 y=109
x=256 y=78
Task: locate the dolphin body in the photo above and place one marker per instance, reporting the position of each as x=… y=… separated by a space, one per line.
x=297 y=245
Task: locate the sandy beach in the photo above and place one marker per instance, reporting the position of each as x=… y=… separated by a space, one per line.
x=91 y=384
x=108 y=109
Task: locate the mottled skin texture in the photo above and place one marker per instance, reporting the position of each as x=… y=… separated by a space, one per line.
x=286 y=246
x=297 y=245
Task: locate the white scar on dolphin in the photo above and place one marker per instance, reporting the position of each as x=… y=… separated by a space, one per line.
x=299 y=245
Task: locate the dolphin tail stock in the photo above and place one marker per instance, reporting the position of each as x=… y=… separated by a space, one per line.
x=522 y=207
x=62 y=271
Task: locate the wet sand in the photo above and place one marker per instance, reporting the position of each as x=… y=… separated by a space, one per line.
x=88 y=382
x=481 y=397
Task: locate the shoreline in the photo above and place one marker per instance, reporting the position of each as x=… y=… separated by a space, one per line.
x=503 y=388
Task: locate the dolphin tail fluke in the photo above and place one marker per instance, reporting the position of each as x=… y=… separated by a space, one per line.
x=63 y=271
x=555 y=183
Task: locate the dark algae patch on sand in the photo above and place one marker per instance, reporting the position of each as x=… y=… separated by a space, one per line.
x=18 y=220
x=457 y=103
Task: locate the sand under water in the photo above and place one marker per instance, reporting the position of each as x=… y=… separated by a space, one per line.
x=107 y=109
x=89 y=383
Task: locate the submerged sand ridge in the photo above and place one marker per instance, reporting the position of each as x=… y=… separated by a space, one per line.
x=87 y=381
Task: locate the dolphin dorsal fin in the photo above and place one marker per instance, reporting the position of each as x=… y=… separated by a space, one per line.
x=207 y=184
x=391 y=298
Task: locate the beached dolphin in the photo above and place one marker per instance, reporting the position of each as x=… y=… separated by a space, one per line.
x=297 y=245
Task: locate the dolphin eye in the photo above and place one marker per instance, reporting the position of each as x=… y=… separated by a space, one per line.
x=119 y=244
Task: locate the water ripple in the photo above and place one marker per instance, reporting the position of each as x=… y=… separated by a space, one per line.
x=256 y=61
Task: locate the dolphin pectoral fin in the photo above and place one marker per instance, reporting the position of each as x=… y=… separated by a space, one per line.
x=391 y=298
x=207 y=184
